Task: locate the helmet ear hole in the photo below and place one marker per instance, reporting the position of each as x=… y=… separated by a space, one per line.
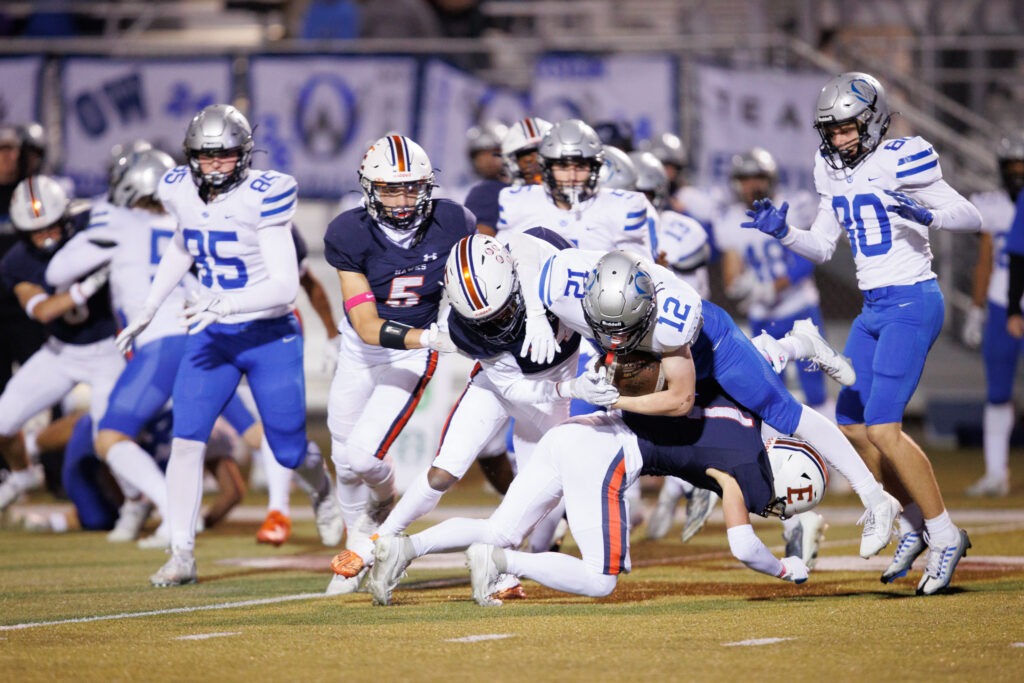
x=799 y=475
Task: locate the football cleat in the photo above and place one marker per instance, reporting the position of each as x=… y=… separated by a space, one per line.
x=508 y=587
x=483 y=574
x=805 y=538
x=699 y=507
x=830 y=361
x=341 y=585
x=942 y=562
x=347 y=563
x=329 y=523
x=391 y=557
x=177 y=571
x=276 y=529
x=18 y=483
x=878 y=523
x=989 y=487
x=910 y=546
x=130 y=519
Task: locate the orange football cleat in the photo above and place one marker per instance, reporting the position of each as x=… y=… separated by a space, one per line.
x=516 y=592
x=347 y=563
x=276 y=528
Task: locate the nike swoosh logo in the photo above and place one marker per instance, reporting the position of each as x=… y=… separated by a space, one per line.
x=290 y=338
x=871 y=180
x=909 y=303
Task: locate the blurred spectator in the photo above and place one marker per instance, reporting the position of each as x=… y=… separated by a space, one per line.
x=397 y=19
x=326 y=19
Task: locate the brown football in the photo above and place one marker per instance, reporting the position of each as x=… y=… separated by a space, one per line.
x=636 y=373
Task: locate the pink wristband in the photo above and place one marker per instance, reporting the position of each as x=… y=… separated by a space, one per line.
x=358 y=299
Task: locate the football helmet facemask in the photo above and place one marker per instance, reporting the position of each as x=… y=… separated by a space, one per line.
x=395 y=165
x=852 y=97
x=219 y=130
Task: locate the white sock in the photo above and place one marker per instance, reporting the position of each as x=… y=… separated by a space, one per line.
x=911 y=519
x=941 y=531
x=133 y=464
x=419 y=499
x=815 y=429
x=184 y=492
x=279 y=480
x=560 y=571
x=352 y=495
x=998 y=425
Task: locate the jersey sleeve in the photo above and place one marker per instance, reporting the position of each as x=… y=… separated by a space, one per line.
x=278 y=196
x=82 y=254
x=912 y=161
x=636 y=232
x=340 y=250
x=680 y=311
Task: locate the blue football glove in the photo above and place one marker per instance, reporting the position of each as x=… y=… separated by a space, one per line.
x=768 y=219
x=909 y=209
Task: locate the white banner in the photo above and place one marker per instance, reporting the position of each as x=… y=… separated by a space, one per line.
x=740 y=109
x=317 y=116
x=115 y=101
x=453 y=102
x=640 y=90
x=19 y=89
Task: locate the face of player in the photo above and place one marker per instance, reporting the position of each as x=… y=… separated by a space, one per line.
x=218 y=163
x=529 y=167
x=8 y=163
x=845 y=137
x=571 y=173
x=47 y=238
x=398 y=199
x=753 y=188
x=488 y=164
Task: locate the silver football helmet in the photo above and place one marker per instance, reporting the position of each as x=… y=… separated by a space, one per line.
x=483 y=287
x=617 y=171
x=571 y=142
x=651 y=178
x=856 y=97
x=120 y=152
x=396 y=164
x=668 y=148
x=487 y=135
x=1011 y=163
x=523 y=138
x=218 y=130
x=619 y=302
x=40 y=203
x=799 y=476
x=754 y=163
x=137 y=176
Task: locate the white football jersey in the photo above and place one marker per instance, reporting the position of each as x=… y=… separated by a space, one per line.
x=997 y=213
x=222 y=236
x=683 y=239
x=132 y=242
x=887 y=249
x=679 y=311
x=765 y=256
x=611 y=219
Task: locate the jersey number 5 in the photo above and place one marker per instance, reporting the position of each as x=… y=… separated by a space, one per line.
x=204 y=248
x=403 y=292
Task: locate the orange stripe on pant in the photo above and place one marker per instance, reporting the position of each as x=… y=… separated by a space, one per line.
x=613 y=516
x=403 y=417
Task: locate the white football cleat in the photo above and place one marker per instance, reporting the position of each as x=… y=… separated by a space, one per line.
x=483 y=574
x=805 y=538
x=878 y=526
x=130 y=519
x=19 y=482
x=989 y=487
x=942 y=562
x=329 y=523
x=910 y=546
x=699 y=507
x=343 y=585
x=177 y=571
x=392 y=555
x=830 y=361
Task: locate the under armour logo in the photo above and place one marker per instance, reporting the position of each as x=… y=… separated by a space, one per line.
x=430 y=257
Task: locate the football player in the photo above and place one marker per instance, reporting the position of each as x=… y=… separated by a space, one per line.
x=78 y=320
x=885 y=194
x=591 y=461
x=985 y=324
x=390 y=256
x=234 y=226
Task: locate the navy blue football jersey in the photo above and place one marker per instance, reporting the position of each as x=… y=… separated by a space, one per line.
x=724 y=436
x=482 y=200
x=407 y=283
x=475 y=346
x=301 y=248
x=81 y=325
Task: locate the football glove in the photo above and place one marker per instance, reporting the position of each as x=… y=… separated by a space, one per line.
x=201 y=314
x=909 y=209
x=793 y=569
x=540 y=340
x=769 y=220
x=974 y=325
x=134 y=329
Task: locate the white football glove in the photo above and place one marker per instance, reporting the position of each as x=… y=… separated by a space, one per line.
x=330 y=360
x=89 y=285
x=201 y=314
x=540 y=340
x=437 y=339
x=771 y=350
x=793 y=569
x=592 y=387
x=134 y=329
x=974 y=325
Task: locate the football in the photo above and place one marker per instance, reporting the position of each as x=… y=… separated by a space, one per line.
x=636 y=373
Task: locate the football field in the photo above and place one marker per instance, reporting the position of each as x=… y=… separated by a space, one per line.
x=73 y=606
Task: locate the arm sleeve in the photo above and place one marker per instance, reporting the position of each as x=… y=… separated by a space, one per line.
x=819 y=242
x=80 y=256
x=516 y=387
x=174 y=264
x=751 y=551
x=1016 y=288
x=950 y=210
x=282 y=283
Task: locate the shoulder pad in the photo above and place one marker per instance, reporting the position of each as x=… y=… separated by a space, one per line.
x=912 y=160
